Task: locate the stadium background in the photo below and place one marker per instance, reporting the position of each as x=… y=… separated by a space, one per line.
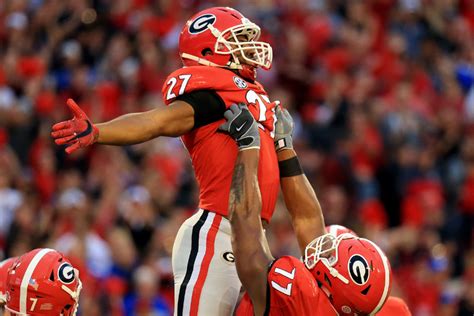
x=382 y=92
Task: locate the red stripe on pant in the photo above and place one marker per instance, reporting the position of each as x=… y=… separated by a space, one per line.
x=206 y=261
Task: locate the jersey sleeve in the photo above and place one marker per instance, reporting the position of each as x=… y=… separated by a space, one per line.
x=292 y=288
x=189 y=79
x=198 y=87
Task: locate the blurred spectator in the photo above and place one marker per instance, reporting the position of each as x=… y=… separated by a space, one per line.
x=10 y=201
x=75 y=210
x=145 y=300
x=137 y=215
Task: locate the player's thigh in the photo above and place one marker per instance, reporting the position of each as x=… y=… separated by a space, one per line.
x=181 y=251
x=221 y=289
x=206 y=281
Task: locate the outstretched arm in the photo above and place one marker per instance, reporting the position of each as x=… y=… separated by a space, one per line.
x=300 y=198
x=248 y=240
x=174 y=120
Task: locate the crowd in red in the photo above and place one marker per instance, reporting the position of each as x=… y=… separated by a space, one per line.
x=382 y=92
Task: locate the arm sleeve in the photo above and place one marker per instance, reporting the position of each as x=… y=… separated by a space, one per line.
x=207 y=104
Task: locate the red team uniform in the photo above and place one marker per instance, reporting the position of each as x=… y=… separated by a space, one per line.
x=394 y=306
x=203 y=263
x=293 y=291
x=214 y=153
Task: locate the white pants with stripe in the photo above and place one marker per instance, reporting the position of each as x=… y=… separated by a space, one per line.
x=205 y=278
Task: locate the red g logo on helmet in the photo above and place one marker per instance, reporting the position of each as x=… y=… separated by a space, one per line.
x=201 y=23
x=358 y=269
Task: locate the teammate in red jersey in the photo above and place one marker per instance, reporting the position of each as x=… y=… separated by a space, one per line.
x=394 y=306
x=220 y=51
x=40 y=282
x=353 y=272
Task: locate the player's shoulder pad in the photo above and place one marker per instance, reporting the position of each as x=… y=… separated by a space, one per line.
x=188 y=79
x=395 y=305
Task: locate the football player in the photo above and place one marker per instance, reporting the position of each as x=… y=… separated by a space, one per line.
x=394 y=306
x=353 y=273
x=40 y=282
x=220 y=51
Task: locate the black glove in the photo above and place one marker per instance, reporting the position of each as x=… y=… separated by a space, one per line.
x=241 y=126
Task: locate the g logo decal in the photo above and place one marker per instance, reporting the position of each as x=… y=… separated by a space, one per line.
x=228 y=256
x=201 y=23
x=66 y=273
x=359 y=269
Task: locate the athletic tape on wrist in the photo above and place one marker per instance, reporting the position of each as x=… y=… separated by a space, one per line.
x=280 y=144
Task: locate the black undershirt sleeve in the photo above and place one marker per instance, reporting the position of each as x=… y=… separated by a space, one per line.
x=207 y=104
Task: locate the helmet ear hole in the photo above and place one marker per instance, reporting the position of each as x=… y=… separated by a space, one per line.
x=366 y=290
x=327 y=280
x=206 y=52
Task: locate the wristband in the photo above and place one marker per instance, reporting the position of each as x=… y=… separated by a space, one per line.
x=290 y=167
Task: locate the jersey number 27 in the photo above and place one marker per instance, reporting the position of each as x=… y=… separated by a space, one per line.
x=172 y=83
x=261 y=100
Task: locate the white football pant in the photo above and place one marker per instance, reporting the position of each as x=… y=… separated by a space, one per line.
x=205 y=278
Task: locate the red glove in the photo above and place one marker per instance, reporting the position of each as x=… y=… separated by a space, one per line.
x=76 y=133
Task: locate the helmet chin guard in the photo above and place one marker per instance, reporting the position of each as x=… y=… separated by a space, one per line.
x=325 y=249
x=252 y=52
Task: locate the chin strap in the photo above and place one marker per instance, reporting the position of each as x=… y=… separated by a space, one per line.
x=74 y=294
x=336 y=274
x=205 y=62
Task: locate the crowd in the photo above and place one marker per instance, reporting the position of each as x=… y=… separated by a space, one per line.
x=382 y=92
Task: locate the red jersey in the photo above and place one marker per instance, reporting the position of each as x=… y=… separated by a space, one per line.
x=394 y=306
x=212 y=152
x=293 y=291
